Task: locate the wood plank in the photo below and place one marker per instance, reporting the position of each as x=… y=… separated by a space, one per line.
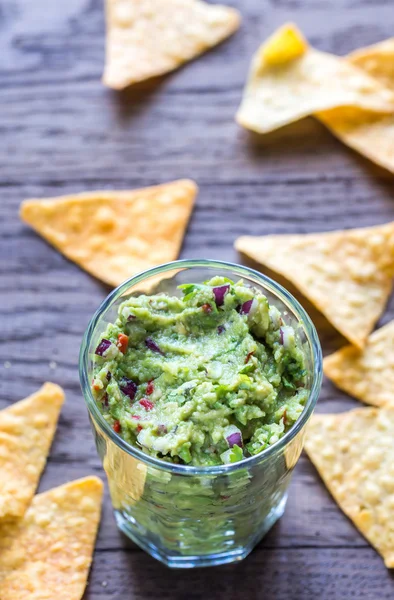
x=301 y=574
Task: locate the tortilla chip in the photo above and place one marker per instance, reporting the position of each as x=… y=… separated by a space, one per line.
x=290 y=80
x=114 y=235
x=346 y=274
x=377 y=61
x=365 y=132
x=354 y=454
x=146 y=38
x=48 y=553
x=367 y=374
x=26 y=432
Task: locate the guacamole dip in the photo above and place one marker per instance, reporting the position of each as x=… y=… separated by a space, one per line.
x=206 y=379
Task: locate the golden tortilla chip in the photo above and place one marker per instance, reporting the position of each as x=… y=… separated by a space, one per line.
x=290 y=80
x=48 y=553
x=26 y=432
x=114 y=235
x=346 y=274
x=367 y=374
x=363 y=131
x=377 y=61
x=367 y=133
x=146 y=38
x=354 y=454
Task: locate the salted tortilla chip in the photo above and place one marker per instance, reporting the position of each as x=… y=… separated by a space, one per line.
x=367 y=133
x=290 y=80
x=346 y=274
x=377 y=61
x=114 y=235
x=354 y=454
x=363 y=131
x=146 y=38
x=26 y=432
x=367 y=374
x=48 y=553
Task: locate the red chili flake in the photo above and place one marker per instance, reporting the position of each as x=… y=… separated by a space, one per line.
x=123 y=342
x=248 y=357
x=117 y=427
x=225 y=497
x=150 y=388
x=147 y=404
x=96 y=387
x=207 y=308
x=139 y=428
x=136 y=418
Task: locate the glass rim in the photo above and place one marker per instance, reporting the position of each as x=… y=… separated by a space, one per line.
x=272 y=286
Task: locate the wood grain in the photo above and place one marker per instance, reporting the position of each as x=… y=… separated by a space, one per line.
x=63 y=132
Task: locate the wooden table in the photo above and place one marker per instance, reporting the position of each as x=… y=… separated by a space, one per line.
x=63 y=132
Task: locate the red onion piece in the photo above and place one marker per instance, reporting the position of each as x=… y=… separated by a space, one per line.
x=149 y=343
x=219 y=293
x=221 y=329
x=128 y=387
x=284 y=336
x=233 y=436
x=161 y=429
x=103 y=347
x=245 y=308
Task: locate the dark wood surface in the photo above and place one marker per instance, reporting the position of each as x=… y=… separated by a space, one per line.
x=62 y=131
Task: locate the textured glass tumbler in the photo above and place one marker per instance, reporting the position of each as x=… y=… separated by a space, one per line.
x=198 y=516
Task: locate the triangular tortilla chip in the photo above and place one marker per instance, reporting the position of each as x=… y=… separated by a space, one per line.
x=146 y=38
x=115 y=235
x=346 y=274
x=377 y=61
x=26 y=432
x=354 y=454
x=290 y=80
x=365 y=132
x=48 y=553
x=367 y=374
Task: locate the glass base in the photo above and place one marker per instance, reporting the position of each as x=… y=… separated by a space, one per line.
x=179 y=561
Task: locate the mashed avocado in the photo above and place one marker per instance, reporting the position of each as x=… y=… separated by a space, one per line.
x=206 y=379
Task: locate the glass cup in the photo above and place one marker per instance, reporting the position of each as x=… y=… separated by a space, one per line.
x=189 y=516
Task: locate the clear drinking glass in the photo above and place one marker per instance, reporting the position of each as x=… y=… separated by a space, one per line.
x=189 y=516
